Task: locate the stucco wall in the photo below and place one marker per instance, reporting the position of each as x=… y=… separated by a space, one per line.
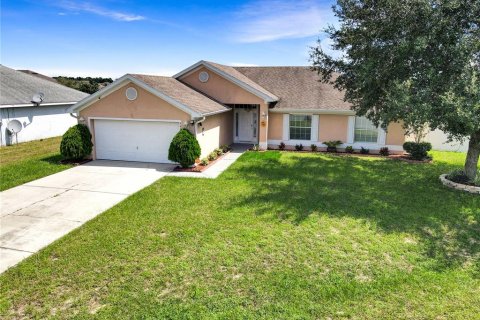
x=332 y=127
x=37 y=122
x=215 y=131
x=146 y=106
x=275 y=126
x=395 y=134
x=220 y=88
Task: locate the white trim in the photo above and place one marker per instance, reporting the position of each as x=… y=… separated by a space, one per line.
x=382 y=136
x=225 y=75
x=122 y=82
x=351 y=129
x=312 y=111
x=286 y=127
x=216 y=112
x=134 y=119
x=356 y=145
x=314 y=128
x=47 y=104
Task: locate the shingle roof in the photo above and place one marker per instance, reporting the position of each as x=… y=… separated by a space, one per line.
x=241 y=77
x=297 y=88
x=18 y=88
x=182 y=93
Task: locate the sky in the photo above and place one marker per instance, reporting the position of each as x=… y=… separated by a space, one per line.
x=110 y=38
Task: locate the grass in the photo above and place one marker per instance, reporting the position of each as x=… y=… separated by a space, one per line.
x=277 y=236
x=28 y=161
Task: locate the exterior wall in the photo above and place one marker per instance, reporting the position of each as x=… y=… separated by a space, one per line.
x=215 y=131
x=146 y=106
x=275 y=126
x=227 y=92
x=438 y=139
x=220 y=88
x=326 y=127
x=332 y=127
x=395 y=134
x=37 y=122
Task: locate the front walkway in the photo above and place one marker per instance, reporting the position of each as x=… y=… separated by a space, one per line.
x=219 y=166
x=37 y=213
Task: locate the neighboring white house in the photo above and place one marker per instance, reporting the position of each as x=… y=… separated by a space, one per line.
x=38 y=104
x=438 y=139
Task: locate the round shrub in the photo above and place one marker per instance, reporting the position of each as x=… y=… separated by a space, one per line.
x=76 y=143
x=417 y=151
x=184 y=149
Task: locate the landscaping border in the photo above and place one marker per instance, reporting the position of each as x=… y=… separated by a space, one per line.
x=458 y=186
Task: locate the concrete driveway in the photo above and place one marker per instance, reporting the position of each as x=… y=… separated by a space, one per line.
x=39 y=212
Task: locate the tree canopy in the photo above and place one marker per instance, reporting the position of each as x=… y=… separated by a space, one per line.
x=414 y=60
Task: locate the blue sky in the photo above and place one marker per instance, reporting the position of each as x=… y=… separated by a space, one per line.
x=111 y=38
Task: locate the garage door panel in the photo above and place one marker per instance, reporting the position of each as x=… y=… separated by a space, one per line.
x=145 y=141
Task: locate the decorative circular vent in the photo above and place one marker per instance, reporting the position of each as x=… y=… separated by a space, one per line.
x=203 y=76
x=131 y=93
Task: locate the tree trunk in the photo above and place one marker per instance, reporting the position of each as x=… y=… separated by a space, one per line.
x=473 y=153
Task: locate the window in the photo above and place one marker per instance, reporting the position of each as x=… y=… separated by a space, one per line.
x=365 y=131
x=300 y=127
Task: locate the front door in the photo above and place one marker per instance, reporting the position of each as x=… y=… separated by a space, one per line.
x=246 y=125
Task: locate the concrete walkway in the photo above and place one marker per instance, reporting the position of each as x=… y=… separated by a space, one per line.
x=37 y=213
x=218 y=167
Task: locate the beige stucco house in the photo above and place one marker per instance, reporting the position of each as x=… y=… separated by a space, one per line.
x=136 y=117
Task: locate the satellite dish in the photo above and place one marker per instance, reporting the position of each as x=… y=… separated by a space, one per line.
x=38 y=98
x=14 y=127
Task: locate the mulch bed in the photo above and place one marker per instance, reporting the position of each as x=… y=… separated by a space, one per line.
x=75 y=162
x=198 y=167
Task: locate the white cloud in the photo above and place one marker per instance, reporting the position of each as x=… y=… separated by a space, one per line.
x=265 y=20
x=93 y=9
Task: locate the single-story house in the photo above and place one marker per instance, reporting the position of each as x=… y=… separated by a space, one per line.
x=35 y=103
x=136 y=117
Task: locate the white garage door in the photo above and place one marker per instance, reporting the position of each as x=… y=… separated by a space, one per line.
x=145 y=141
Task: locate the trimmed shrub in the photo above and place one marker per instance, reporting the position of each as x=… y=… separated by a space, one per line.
x=299 y=147
x=364 y=150
x=218 y=151
x=332 y=145
x=384 y=152
x=204 y=162
x=225 y=148
x=76 y=143
x=281 y=146
x=417 y=151
x=313 y=147
x=184 y=149
x=212 y=156
x=349 y=149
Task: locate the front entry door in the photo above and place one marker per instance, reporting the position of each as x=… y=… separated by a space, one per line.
x=246 y=125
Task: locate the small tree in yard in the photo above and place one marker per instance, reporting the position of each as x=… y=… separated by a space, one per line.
x=416 y=61
x=184 y=149
x=76 y=143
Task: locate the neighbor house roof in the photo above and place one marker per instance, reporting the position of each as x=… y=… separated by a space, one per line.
x=298 y=88
x=169 y=89
x=234 y=76
x=17 y=89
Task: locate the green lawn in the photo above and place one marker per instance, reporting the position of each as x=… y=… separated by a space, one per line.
x=277 y=236
x=29 y=161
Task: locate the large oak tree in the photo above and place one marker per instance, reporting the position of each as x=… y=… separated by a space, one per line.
x=411 y=60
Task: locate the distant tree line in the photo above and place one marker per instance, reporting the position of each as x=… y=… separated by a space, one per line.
x=84 y=84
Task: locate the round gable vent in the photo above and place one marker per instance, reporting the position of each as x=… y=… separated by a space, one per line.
x=131 y=93
x=203 y=76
